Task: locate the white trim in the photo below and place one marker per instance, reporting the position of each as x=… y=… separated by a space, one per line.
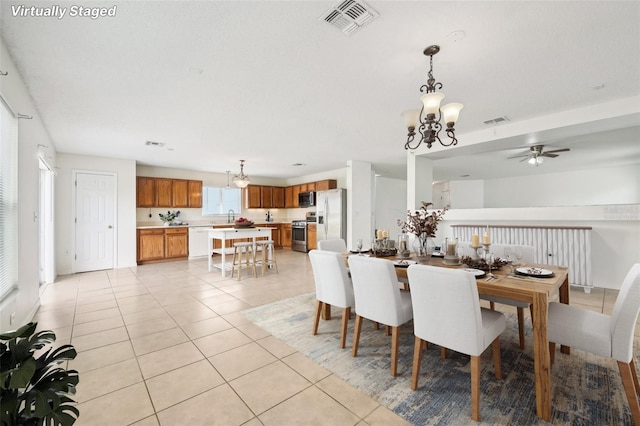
x=74 y=178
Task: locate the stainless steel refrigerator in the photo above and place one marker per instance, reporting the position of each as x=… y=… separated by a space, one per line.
x=331 y=214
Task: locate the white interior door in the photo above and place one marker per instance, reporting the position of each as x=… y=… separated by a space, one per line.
x=95 y=221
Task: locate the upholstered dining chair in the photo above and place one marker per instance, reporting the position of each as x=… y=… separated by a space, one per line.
x=379 y=299
x=447 y=312
x=337 y=245
x=333 y=287
x=528 y=254
x=605 y=335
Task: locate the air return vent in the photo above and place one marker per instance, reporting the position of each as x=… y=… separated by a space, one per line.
x=496 y=121
x=154 y=144
x=349 y=16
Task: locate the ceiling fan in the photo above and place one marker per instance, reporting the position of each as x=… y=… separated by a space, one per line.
x=536 y=154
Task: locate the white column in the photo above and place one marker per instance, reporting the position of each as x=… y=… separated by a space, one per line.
x=419 y=180
x=360 y=190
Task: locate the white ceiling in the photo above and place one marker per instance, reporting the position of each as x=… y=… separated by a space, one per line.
x=279 y=86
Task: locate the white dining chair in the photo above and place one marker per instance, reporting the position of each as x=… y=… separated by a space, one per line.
x=333 y=287
x=337 y=245
x=447 y=312
x=528 y=254
x=605 y=335
x=378 y=298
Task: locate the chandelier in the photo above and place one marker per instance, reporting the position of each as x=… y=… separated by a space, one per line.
x=430 y=127
x=241 y=180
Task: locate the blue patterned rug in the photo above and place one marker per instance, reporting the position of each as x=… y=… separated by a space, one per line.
x=586 y=389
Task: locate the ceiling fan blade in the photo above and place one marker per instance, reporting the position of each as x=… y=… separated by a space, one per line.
x=519 y=155
x=557 y=150
x=546 y=154
x=526 y=158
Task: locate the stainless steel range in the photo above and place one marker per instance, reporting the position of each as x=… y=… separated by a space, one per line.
x=299 y=232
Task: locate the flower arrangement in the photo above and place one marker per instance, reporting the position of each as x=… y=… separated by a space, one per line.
x=421 y=222
x=170 y=216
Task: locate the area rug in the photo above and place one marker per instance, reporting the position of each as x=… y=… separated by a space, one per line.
x=586 y=389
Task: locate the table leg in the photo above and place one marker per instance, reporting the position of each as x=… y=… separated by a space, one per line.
x=564 y=298
x=542 y=359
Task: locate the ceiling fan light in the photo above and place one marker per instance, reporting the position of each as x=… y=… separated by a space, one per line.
x=532 y=161
x=451 y=112
x=411 y=117
x=431 y=102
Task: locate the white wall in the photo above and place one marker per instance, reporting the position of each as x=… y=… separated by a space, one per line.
x=125 y=170
x=31 y=133
x=466 y=194
x=390 y=204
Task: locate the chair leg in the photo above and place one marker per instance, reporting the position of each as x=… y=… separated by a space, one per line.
x=634 y=374
x=346 y=313
x=356 y=335
x=316 y=319
x=395 y=342
x=552 y=352
x=443 y=352
x=630 y=389
x=376 y=325
x=387 y=330
x=521 y=326
x=417 y=358
x=497 y=364
x=475 y=388
x=492 y=305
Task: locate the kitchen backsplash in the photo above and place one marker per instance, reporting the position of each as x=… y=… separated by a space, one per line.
x=194 y=216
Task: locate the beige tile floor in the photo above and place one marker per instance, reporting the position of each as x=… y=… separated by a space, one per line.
x=166 y=344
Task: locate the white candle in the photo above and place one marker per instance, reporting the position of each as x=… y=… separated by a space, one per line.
x=385 y=234
x=475 y=240
x=485 y=238
x=451 y=248
x=379 y=234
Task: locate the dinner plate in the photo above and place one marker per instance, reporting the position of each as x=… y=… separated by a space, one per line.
x=535 y=272
x=478 y=273
x=404 y=263
x=437 y=254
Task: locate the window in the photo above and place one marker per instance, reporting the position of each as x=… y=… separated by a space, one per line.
x=8 y=200
x=220 y=200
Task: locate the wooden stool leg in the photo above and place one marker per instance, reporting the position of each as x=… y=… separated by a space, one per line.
x=233 y=261
x=240 y=250
x=264 y=258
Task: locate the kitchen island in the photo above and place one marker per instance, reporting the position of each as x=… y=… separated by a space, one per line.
x=224 y=234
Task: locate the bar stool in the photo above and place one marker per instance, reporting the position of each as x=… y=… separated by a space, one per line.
x=238 y=250
x=266 y=260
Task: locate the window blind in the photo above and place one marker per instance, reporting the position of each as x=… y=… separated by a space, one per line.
x=8 y=199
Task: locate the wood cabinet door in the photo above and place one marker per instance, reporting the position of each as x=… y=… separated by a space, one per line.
x=277 y=198
x=176 y=243
x=150 y=244
x=266 y=197
x=275 y=235
x=303 y=187
x=324 y=185
x=296 y=192
x=195 y=193
x=312 y=237
x=288 y=197
x=285 y=236
x=145 y=192
x=164 y=188
x=253 y=195
x=311 y=186
x=180 y=193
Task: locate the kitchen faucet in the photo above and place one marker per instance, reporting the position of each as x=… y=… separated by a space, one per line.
x=231 y=215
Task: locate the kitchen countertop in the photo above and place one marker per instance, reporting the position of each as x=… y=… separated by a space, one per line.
x=207 y=225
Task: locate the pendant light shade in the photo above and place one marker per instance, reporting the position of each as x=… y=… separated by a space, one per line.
x=241 y=180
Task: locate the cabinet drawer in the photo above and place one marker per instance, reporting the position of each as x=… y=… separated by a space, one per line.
x=155 y=231
x=176 y=231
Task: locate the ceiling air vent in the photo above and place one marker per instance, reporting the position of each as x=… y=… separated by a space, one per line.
x=154 y=144
x=496 y=121
x=349 y=16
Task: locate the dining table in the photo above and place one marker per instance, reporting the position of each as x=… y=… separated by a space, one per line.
x=536 y=290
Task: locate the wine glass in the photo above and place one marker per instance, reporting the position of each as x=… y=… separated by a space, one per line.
x=359 y=245
x=518 y=254
x=490 y=258
x=509 y=255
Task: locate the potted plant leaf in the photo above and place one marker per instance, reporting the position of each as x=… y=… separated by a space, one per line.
x=35 y=391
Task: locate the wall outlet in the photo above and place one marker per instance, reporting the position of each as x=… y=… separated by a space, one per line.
x=150 y=215
x=12 y=318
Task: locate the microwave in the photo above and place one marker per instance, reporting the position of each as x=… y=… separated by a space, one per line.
x=306 y=199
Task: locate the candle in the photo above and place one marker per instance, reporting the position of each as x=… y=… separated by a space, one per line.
x=385 y=234
x=485 y=237
x=451 y=248
x=379 y=234
x=475 y=240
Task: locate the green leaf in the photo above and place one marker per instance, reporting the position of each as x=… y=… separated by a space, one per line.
x=21 y=376
x=24 y=331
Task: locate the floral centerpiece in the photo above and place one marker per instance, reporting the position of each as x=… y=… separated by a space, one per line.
x=169 y=217
x=423 y=225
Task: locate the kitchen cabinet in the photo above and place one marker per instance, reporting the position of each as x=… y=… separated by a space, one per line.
x=288 y=197
x=311 y=186
x=150 y=245
x=180 y=193
x=253 y=197
x=145 y=192
x=275 y=233
x=266 y=197
x=285 y=235
x=312 y=236
x=169 y=193
x=164 y=192
x=195 y=193
x=296 y=192
x=277 y=198
x=324 y=185
x=176 y=243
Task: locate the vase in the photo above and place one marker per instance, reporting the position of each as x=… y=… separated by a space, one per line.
x=423 y=246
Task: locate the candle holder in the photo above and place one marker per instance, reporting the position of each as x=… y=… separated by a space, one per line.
x=474 y=254
x=450 y=257
x=486 y=248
